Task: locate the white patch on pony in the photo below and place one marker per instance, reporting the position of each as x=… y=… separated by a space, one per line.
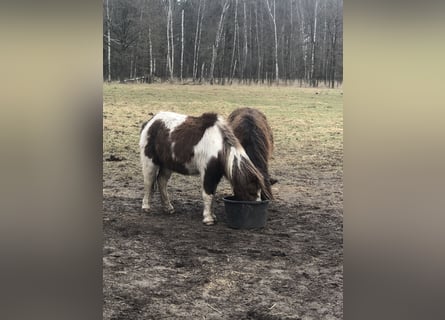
x=172 y=150
x=208 y=147
x=170 y=119
x=229 y=162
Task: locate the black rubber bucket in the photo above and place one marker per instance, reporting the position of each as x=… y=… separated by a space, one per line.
x=245 y=214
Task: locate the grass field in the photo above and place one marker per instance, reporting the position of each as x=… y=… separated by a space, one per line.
x=159 y=266
x=307 y=123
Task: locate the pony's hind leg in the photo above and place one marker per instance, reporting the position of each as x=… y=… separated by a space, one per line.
x=149 y=169
x=163 y=177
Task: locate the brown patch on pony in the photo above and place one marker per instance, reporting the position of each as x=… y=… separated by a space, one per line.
x=213 y=174
x=251 y=128
x=189 y=133
x=158 y=147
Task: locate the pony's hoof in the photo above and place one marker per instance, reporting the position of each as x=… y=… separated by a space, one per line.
x=209 y=223
x=146 y=210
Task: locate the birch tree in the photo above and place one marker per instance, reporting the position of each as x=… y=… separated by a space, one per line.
x=170 y=44
x=242 y=40
x=245 y=41
x=235 y=32
x=313 y=40
x=218 y=39
x=182 y=41
x=197 y=44
x=108 y=41
x=274 y=22
x=150 y=52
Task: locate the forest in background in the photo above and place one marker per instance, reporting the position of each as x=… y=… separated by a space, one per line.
x=224 y=41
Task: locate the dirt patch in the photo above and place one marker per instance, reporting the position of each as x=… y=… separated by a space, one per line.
x=161 y=266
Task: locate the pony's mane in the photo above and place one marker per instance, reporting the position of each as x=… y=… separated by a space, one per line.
x=258 y=143
x=250 y=126
x=238 y=166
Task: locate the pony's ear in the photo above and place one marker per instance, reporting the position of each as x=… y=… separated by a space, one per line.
x=273 y=181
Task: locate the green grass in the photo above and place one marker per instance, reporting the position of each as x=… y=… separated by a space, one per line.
x=307 y=123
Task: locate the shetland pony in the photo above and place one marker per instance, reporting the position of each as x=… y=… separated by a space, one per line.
x=255 y=135
x=204 y=146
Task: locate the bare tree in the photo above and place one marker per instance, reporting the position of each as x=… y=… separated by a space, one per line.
x=170 y=46
x=304 y=41
x=265 y=40
x=258 y=43
x=274 y=22
x=150 y=51
x=235 y=32
x=135 y=53
x=108 y=42
x=182 y=41
x=218 y=38
x=197 y=44
x=245 y=41
x=313 y=40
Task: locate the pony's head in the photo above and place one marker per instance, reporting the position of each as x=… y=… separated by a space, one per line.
x=247 y=181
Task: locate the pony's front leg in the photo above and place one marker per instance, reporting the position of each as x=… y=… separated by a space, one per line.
x=210 y=180
x=163 y=177
x=209 y=217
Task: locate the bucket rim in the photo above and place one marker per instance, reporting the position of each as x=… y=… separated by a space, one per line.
x=230 y=199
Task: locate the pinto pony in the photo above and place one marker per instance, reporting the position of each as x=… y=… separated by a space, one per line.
x=204 y=146
x=255 y=135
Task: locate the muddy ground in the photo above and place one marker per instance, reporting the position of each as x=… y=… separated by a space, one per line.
x=161 y=266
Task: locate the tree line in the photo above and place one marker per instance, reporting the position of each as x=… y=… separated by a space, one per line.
x=224 y=41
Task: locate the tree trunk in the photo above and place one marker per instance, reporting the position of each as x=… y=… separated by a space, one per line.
x=170 y=49
x=135 y=53
x=313 y=40
x=182 y=41
x=235 y=27
x=334 y=44
x=197 y=46
x=195 y=57
x=202 y=72
x=304 y=43
x=218 y=38
x=274 y=22
x=150 y=47
x=108 y=42
x=245 y=42
x=291 y=42
x=172 y=46
x=258 y=44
